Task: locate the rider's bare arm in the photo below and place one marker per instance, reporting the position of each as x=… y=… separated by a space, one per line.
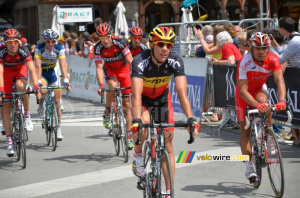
x=136 y=89
x=38 y=67
x=63 y=67
x=181 y=89
x=33 y=72
x=279 y=80
x=129 y=59
x=243 y=89
x=99 y=73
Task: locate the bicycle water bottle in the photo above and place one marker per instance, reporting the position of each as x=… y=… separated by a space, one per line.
x=52 y=96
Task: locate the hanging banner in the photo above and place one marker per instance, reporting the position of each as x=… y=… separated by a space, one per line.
x=72 y=15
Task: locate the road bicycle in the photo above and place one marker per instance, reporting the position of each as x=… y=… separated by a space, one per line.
x=118 y=127
x=265 y=151
x=19 y=134
x=50 y=121
x=155 y=182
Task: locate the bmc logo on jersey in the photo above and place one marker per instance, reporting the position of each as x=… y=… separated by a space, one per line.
x=156 y=81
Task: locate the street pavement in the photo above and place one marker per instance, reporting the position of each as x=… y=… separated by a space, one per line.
x=85 y=165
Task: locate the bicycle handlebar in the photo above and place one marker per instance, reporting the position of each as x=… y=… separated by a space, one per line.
x=256 y=111
x=18 y=94
x=102 y=90
x=161 y=125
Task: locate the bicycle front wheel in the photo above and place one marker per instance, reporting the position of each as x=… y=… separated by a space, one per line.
x=165 y=180
x=274 y=164
x=123 y=135
x=47 y=127
x=147 y=191
x=115 y=129
x=255 y=159
x=54 y=126
x=22 y=132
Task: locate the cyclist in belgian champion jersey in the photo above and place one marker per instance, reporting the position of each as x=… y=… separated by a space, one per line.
x=151 y=72
x=46 y=56
x=135 y=45
x=253 y=71
x=14 y=61
x=117 y=60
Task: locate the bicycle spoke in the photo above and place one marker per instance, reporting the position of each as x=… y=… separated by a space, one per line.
x=123 y=135
x=274 y=164
x=165 y=179
x=147 y=191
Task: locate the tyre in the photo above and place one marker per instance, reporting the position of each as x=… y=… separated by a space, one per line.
x=22 y=132
x=123 y=135
x=147 y=192
x=53 y=127
x=274 y=163
x=255 y=159
x=115 y=128
x=165 y=177
x=47 y=127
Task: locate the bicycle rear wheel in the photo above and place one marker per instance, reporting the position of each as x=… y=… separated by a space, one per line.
x=255 y=159
x=165 y=180
x=54 y=125
x=115 y=128
x=274 y=164
x=147 y=191
x=123 y=134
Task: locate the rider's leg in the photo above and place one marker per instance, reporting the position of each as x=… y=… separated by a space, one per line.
x=57 y=96
x=169 y=134
x=7 y=106
x=261 y=97
x=110 y=96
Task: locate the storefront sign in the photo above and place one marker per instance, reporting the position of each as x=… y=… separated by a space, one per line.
x=71 y=15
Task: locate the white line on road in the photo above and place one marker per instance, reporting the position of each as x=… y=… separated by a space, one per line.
x=96 y=178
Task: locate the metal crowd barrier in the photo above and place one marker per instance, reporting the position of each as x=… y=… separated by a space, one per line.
x=224 y=90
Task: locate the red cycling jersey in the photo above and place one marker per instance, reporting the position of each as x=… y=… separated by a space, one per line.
x=14 y=66
x=115 y=64
x=135 y=51
x=113 y=57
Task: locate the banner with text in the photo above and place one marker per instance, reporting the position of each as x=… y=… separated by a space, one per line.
x=71 y=15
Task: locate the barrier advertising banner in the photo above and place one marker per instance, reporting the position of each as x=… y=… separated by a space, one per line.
x=224 y=85
x=195 y=70
x=292 y=83
x=224 y=88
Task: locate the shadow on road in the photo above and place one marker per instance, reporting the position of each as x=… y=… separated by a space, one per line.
x=225 y=189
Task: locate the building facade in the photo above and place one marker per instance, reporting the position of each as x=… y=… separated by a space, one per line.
x=31 y=17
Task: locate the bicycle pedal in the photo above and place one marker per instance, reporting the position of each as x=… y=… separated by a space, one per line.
x=3 y=132
x=140 y=185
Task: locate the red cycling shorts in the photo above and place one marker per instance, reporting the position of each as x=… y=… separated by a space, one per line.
x=122 y=75
x=9 y=73
x=241 y=104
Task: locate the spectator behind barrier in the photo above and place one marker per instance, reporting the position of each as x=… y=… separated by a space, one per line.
x=215 y=51
x=230 y=53
x=238 y=30
x=231 y=30
x=292 y=52
x=85 y=37
x=74 y=39
x=95 y=39
x=200 y=51
x=244 y=46
x=97 y=22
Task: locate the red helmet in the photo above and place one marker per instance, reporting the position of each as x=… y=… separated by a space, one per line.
x=11 y=33
x=136 y=31
x=104 y=29
x=259 y=39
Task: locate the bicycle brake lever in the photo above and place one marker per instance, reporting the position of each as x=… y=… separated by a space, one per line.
x=138 y=141
x=192 y=139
